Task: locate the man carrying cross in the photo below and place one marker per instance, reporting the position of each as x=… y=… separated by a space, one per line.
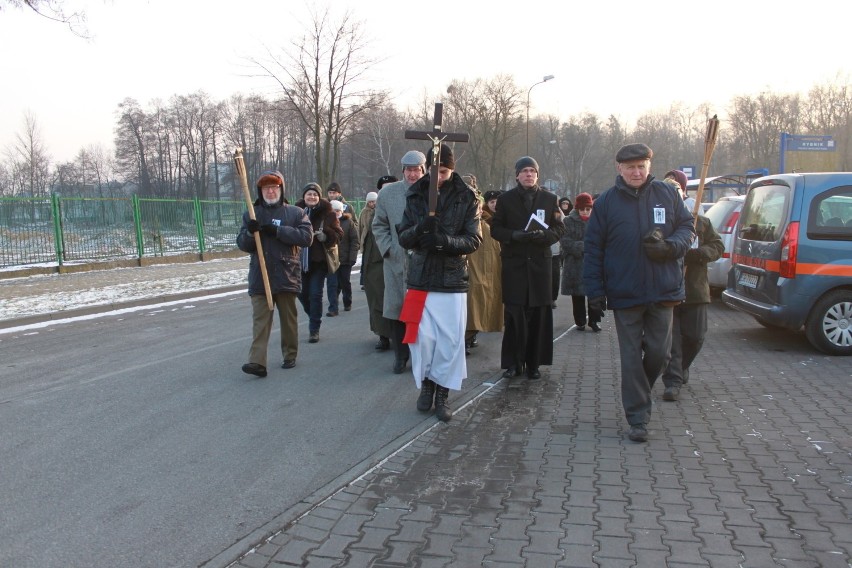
x=440 y=232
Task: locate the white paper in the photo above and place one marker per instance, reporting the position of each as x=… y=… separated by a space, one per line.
x=535 y=223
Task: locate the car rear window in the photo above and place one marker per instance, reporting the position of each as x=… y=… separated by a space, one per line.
x=765 y=213
x=720 y=211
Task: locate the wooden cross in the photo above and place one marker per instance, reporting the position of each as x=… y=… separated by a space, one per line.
x=436 y=135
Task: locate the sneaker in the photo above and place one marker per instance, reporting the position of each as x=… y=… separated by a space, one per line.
x=314 y=338
x=288 y=364
x=638 y=433
x=671 y=394
x=254 y=369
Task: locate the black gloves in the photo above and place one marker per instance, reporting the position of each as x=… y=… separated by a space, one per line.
x=427 y=225
x=695 y=256
x=431 y=241
x=528 y=236
x=269 y=230
x=598 y=303
x=656 y=248
x=253 y=226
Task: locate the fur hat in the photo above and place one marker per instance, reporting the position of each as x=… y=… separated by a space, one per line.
x=679 y=177
x=525 y=162
x=630 y=152
x=372 y=196
x=312 y=186
x=414 y=158
x=337 y=205
x=270 y=177
x=385 y=179
x=491 y=194
x=445 y=159
x=583 y=200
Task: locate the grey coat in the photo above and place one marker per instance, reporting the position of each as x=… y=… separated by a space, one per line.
x=390 y=207
x=571 y=245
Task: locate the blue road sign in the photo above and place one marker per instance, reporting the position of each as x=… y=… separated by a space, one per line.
x=800 y=143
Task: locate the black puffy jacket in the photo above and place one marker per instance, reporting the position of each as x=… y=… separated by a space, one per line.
x=458 y=223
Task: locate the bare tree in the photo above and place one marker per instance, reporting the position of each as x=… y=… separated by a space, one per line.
x=53 y=10
x=321 y=82
x=29 y=163
x=757 y=123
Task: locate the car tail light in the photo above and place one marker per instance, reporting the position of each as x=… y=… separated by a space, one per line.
x=789 y=250
x=729 y=226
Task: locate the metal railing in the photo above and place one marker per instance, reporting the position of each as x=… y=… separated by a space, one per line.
x=64 y=229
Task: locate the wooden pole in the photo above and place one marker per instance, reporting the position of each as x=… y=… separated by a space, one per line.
x=240 y=165
x=709 y=145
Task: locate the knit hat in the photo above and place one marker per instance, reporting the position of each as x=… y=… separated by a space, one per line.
x=385 y=179
x=630 y=152
x=372 y=196
x=312 y=186
x=491 y=194
x=445 y=159
x=679 y=177
x=583 y=200
x=525 y=162
x=414 y=158
x=333 y=186
x=337 y=205
x=270 y=177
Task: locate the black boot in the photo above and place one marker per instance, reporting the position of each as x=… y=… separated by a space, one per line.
x=442 y=410
x=427 y=391
x=400 y=349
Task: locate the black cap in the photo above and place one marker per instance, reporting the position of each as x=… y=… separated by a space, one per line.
x=630 y=152
x=445 y=158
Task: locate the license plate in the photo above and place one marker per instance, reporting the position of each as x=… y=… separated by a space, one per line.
x=749 y=280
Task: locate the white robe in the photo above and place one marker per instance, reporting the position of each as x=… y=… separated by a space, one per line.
x=438 y=352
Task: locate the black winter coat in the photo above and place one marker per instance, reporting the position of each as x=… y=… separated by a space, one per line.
x=458 y=223
x=527 y=267
x=322 y=216
x=349 y=242
x=281 y=252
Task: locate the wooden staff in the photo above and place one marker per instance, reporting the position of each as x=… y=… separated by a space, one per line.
x=261 y=260
x=709 y=146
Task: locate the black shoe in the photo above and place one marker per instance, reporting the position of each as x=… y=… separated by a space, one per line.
x=347 y=308
x=442 y=409
x=332 y=313
x=383 y=344
x=511 y=372
x=399 y=365
x=254 y=369
x=288 y=364
x=595 y=327
x=638 y=433
x=314 y=337
x=474 y=342
x=427 y=393
x=671 y=393
x=533 y=373
x=580 y=327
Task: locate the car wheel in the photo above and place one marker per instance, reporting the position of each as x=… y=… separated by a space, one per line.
x=829 y=325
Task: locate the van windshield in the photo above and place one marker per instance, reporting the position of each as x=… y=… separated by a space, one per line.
x=765 y=213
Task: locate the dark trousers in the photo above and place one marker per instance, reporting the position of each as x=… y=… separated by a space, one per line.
x=313 y=283
x=344 y=284
x=689 y=326
x=555 y=271
x=262 y=326
x=527 y=336
x=644 y=341
x=579 y=303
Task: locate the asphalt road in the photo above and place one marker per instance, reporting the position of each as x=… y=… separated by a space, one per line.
x=135 y=439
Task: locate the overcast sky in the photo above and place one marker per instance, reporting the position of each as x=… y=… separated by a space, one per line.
x=608 y=57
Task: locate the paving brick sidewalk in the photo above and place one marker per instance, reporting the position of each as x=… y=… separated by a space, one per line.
x=750 y=468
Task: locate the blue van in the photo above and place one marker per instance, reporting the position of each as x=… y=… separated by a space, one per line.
x=792 y=258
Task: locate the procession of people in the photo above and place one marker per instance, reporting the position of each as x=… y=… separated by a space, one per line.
x=442 y=262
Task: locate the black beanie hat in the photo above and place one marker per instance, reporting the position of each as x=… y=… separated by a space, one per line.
x=312 y=186
x=385 y=179
x=445 y=159
x=491 y=194
x=525 y=162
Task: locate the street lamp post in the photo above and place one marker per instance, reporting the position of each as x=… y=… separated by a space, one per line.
x=544 y=80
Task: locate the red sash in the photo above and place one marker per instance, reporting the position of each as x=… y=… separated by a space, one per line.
x=412 y=313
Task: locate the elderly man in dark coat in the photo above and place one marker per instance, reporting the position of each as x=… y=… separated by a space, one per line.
x=527 y=222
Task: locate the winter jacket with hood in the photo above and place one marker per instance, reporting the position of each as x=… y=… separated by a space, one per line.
x=615 y=264
x=282 y=251
x=322 y=215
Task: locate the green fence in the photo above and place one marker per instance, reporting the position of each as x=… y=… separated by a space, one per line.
x=68 y=229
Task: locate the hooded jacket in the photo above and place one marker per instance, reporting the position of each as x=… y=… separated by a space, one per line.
x=458 y=221
x=615 y=264
x=322 y=215
x=281 y=253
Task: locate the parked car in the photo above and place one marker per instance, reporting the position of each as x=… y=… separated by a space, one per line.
x=792 y=261
x=723 y=215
